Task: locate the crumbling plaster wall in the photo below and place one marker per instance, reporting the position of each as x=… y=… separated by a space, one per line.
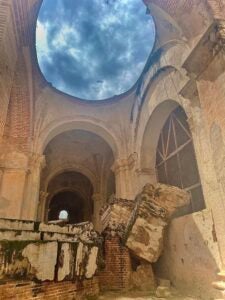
x=191 y=259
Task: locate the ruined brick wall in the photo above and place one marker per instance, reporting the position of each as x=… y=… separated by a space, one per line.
x=116 y=275
x=8 y=51
x=27 y=290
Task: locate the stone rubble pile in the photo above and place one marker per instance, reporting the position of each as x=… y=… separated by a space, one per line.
x=38 y=251
x=141 y=224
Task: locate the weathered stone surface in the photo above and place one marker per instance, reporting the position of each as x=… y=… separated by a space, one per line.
x=162 y=292
x=146 y=238
x=42 y=258
x=115 y=216
x=19 y=235
x=143 y=278
x=43 y=250
x=169 y=197
x=164 y=282
x=65 y=261
x=16 y=224
x=12 y=263
x=79 y=259
x=54 y=236
x=141 y=224
x=91 y=263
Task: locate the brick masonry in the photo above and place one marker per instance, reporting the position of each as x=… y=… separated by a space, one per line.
x=22 y=290
x=116 y=275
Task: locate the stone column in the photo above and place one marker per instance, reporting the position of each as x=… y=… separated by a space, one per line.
x=31 y=197
x=124 y=170
x=41 y=215
x=97 y=200
x=14 y=170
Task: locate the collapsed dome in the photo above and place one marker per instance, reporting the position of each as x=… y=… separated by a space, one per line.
x=93 y=49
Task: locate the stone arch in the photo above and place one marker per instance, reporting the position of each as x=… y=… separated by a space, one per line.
x=56 y=185
x=79 y=209
x=91 y=125
x=152 y=132
x=72 y=168
x=161 y=98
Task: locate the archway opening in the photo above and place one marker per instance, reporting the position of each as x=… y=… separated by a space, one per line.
x=68 y=206
x=71 y=192
x=77 y=161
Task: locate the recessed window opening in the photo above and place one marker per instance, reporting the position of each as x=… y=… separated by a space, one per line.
x=176 y=162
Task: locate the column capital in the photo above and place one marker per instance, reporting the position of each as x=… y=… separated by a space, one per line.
x=37 y=161
x=96 y=197
x=43 y=195
x=122 y=164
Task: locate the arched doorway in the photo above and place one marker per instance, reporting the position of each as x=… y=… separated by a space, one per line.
x=69 y=206
x=70 y=191
x=175 y=159
x=76 y=161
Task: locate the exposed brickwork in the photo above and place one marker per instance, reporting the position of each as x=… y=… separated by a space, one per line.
x=17 y=28
x=8 y=54
x=48 y=290
x=116 y=275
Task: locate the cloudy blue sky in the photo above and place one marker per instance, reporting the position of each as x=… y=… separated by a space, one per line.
x=93 y=49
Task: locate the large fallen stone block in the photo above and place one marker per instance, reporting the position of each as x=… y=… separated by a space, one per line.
x=141 y=223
